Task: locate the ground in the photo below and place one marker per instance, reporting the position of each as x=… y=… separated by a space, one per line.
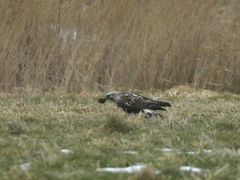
x=201 y=129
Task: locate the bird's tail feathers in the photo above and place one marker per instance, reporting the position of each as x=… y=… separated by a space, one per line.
x=158 y=105
x=162 y=103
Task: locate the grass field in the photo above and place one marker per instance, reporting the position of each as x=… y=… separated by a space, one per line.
x=202 y=128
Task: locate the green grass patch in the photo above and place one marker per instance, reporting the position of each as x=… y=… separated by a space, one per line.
x=34 y=129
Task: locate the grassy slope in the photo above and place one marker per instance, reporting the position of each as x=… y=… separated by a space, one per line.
x=35 y=128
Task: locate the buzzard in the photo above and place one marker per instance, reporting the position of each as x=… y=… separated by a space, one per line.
x=135 y=103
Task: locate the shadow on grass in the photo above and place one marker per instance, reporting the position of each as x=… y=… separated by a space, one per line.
x=116 y=123
x=15 y=128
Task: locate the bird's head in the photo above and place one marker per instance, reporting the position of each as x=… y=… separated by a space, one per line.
x=109 y=96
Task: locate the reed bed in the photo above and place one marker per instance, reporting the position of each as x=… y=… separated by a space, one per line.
x=93 y=45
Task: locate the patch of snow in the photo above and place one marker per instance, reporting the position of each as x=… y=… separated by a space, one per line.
x=167 y=149
x=207 y=150
x=190 y=169
x=130 y=169
x=25 y=166
x=66 y=151
x=191 y=153
x=75 y=34
x=130 y=152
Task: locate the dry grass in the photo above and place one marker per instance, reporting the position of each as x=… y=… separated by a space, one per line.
x=80 y=45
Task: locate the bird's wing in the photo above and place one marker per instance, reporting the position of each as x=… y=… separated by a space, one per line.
x=158 y=101
x=141 y=98
x=130 y=102
x=149 y=103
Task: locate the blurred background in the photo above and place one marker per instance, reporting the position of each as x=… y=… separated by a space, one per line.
x=96 y=45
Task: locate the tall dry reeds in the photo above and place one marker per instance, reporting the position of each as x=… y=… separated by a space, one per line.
x=134 y=44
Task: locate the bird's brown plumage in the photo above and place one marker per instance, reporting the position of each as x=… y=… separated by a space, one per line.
x=134 y=103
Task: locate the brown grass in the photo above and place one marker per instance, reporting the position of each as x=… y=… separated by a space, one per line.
x=119 y=44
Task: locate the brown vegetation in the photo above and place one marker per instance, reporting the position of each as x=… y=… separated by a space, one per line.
x=96 y=45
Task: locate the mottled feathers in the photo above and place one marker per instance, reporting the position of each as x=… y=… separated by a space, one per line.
x=135 y=103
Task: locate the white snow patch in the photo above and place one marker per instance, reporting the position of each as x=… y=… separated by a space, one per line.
x=75 y=34
x=130 y=169
x=190 y=169
x=130 y=152
x=66 y=151
x=171 y=150
x=207 y=151
x=167 y=149
x=191 y=153
x=25 y=166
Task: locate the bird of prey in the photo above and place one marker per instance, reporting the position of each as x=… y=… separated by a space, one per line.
x=134 y=103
